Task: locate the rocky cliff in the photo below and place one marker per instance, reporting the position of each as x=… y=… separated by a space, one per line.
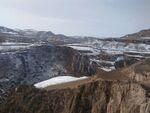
x=125 y=90
x=108 y=94
x=94 y=97
x=38 y=63
x=139 y=72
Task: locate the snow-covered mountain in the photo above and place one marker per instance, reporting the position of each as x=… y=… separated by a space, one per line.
x=101 y=51
x=32 y=36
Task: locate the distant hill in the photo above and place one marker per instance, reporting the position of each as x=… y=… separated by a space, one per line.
x=35 y=36
x=143 y=34
x=31 y=36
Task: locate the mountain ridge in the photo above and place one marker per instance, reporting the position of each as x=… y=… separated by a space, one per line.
x=142 y=34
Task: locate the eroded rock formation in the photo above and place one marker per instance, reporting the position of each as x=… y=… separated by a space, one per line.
x=95 y=97
x=107 y=94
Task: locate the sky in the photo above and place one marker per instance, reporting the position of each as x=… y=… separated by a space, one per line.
x=100 y=18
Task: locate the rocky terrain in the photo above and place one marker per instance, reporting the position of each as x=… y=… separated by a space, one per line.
x=35 y=63
x=96 y=95
x=118 y=74
x=110 y=55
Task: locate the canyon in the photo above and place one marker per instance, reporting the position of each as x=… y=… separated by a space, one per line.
x=109 y=94
x=117 y=71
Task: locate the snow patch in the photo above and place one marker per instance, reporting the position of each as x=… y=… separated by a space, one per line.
x=57 y=80
x=13 y=33
x=81 y=48
x=108 y=69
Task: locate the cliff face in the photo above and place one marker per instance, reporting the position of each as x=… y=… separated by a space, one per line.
x=44 y=62
x=113 y=92
x=38 y=63
x=94 y=97
x=79 y=64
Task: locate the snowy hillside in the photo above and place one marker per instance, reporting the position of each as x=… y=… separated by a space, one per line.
x=118 y=51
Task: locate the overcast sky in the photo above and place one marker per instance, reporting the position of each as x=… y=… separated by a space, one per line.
x=77 y=17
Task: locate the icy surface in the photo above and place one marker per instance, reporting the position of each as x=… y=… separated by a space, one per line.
x=57 y=80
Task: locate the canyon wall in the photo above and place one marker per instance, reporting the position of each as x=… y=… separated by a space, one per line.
x=94 y=97
x=38 y=63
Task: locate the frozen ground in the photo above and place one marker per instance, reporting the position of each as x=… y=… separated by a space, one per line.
x=57 y=80
x=111 y=48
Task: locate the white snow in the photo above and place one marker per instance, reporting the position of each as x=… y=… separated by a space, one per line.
x=57 y=80
x=13 y=43
x=108 y=69
x=103 y=61
x=81 y=48
x=110 y=47
x=114 y=52
x=135 y=56
x=120 y=58
x=13 y=33
x=15 y=46
x=138 y=52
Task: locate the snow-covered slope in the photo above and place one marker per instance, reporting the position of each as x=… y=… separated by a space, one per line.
x=29 y=35
x=115 y=50
x=9 y=46
x=57 y=80
x=111 y=47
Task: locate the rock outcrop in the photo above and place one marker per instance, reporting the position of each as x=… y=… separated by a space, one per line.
x=113 y=92
x=95 y=97
x=139 y=72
